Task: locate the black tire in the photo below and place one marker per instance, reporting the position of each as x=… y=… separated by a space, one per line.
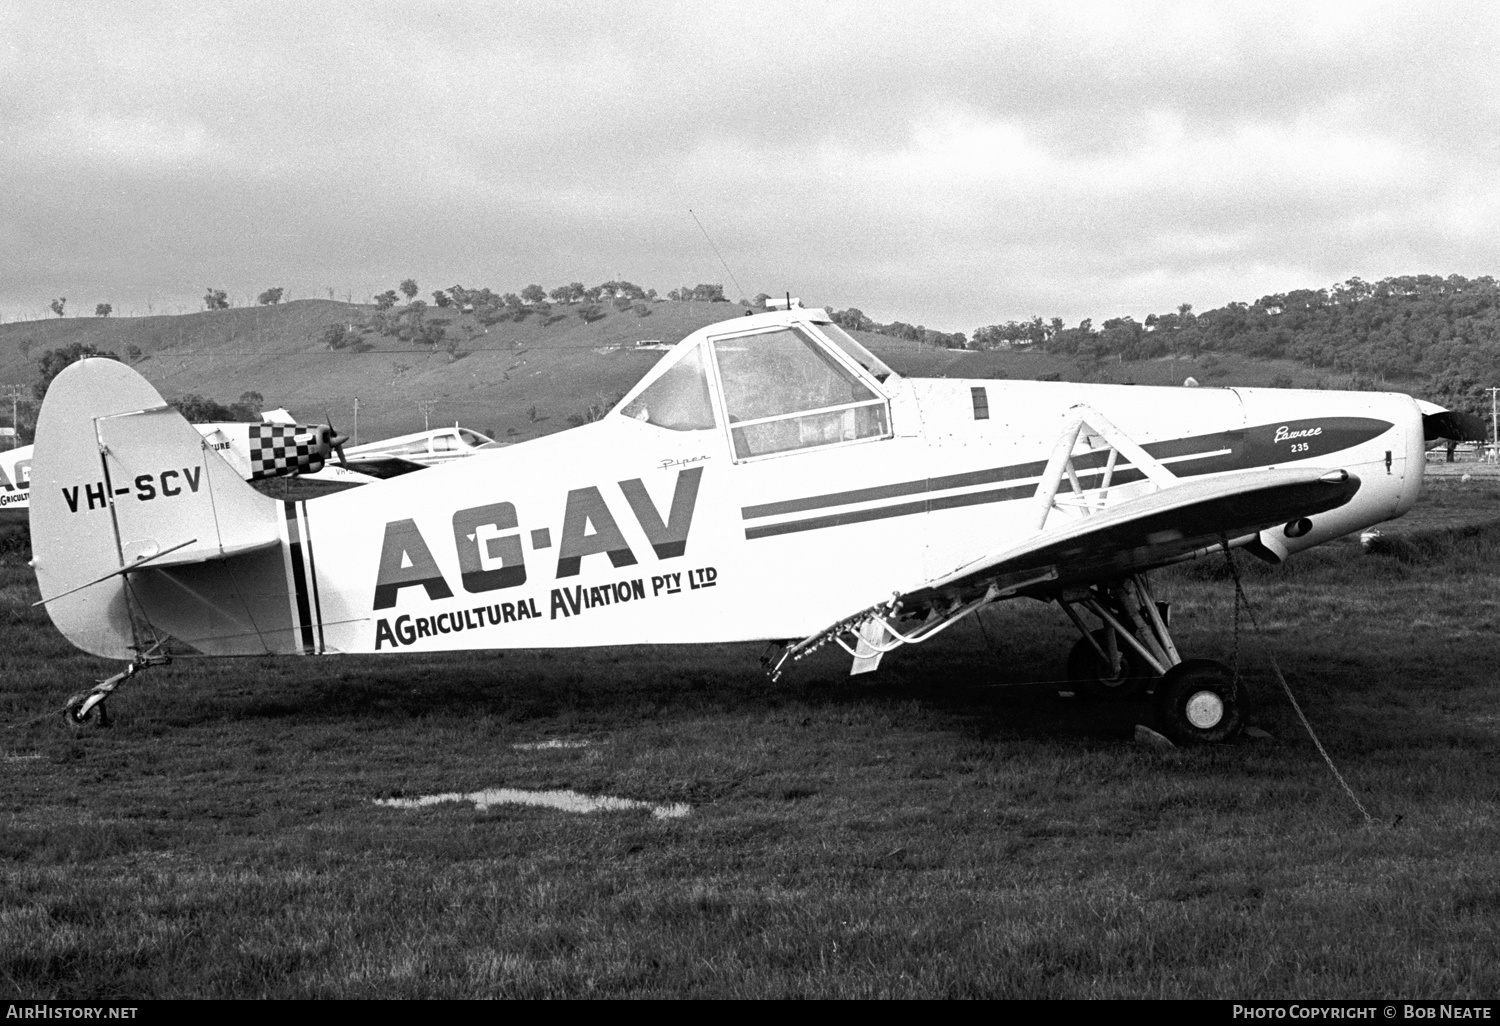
x=97 y=717
x=1198 y=703
x=1092 y=679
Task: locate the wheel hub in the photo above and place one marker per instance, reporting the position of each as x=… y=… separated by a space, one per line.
x=1204 y=710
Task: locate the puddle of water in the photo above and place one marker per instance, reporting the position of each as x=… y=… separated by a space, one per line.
x=567 y=801
x=537 y=746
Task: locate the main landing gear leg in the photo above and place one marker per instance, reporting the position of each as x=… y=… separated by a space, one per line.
x=86 y=709
x=1197 y=701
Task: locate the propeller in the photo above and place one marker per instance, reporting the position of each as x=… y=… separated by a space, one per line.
x=334 y=441
x=1461 y=427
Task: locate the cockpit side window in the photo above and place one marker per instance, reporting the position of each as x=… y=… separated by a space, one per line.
x=679 y=399
x=784 y=391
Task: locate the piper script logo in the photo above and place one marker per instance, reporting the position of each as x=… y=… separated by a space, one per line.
x=1284 y=433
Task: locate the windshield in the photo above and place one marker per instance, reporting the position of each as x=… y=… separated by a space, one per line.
x=783 y=391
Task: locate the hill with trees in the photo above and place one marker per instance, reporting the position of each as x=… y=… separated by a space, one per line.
x=1434 y=335
x=525 y=363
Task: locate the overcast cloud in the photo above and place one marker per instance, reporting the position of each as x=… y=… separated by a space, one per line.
x=945 y=164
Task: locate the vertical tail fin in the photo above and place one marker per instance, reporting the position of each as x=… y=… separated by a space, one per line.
x=121 y=482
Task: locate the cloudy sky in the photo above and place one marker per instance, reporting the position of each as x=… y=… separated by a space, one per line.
x=950 y=164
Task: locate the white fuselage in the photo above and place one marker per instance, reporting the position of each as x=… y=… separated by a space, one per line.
x=780 y=547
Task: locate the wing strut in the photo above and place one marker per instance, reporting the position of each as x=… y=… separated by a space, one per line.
x=1085 y=422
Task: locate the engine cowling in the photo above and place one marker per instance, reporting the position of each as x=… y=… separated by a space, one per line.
x=277 y=450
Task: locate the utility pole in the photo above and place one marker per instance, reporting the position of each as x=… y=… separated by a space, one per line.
x=15 y=422
x=356 y=420
x=1494 y=423
x=426 y=405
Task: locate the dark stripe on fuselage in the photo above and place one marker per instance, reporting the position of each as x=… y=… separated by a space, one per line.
x=299 y=577
x=312 y=576
x=1248 y=448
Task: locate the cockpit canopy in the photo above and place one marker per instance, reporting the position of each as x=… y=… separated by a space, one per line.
x=780 y=388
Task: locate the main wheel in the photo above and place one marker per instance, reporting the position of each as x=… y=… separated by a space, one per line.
x=1093 y=679
x=1198 y=703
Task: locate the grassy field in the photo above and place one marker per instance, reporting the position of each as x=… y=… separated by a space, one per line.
x=947 y=827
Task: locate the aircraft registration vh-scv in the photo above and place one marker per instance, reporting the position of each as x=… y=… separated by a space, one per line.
x=769 y=480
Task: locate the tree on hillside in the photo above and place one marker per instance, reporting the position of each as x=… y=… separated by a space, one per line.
x=626 y=289
x=57 y=305
x=51 y=363
x=441 y=298
x=852 y=319
x=410 y=323
x=534 y=294
x=570 y=293
x=491 y=309
x=133 y=353
x=590 y=312
x=409 y=288
x=337 y=336
x=215 y=299
x=201 y=410
x=103 y=310
x=386 y=300
x=270 y=297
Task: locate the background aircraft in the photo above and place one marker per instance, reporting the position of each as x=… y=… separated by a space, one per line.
x=428 y=448
x=770 y=479
x=15 y=485
x=279 y=446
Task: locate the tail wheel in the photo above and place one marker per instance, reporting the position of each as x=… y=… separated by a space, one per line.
x=1092 y=677
x=98 y=716
x=1198 y=702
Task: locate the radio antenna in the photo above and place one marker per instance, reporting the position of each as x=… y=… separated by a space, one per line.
x=737 y=286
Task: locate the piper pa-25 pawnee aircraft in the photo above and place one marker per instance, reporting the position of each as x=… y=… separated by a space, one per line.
x=768 y=480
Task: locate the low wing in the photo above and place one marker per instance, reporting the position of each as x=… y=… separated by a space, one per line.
x=1127 y=538
x=1156 y=529
x=383 y=466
